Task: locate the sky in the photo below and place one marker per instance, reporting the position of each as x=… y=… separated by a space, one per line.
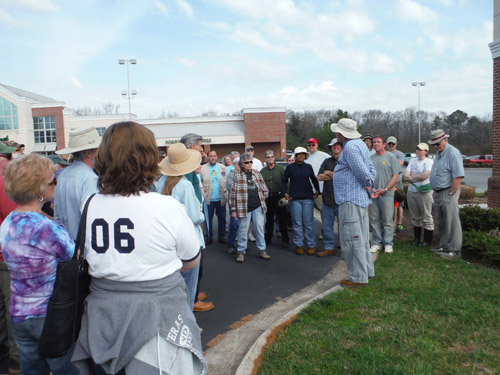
x=195 y=56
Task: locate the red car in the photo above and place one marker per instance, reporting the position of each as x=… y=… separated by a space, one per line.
x=479 y=159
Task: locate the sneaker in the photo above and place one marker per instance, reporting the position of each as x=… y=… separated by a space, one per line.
x=321 y=236
x=375 y=248
x=311 y=251
x=264 y=255
x=251 y=237
x=388 y=249
x=400 y=228
x=439 y=250
x=449 y=254
x=231 y=250
x=278 y=235
x=241 y=257
x=203 y=306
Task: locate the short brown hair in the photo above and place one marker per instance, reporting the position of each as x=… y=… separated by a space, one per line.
x=379 y=136
x=26 y=178
x=127 y=159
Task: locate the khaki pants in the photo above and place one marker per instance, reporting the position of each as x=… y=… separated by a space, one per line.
x=420 y=206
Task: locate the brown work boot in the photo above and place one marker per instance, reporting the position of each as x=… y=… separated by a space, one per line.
x=299 y=250
x=203 y=306
x=311 y=251
x=325 y=253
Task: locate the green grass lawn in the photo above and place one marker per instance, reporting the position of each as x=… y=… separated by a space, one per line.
x=420 y=315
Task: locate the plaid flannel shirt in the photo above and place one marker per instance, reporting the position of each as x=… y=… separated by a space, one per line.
x=238 y=198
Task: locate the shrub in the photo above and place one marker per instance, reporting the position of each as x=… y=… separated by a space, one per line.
x=467 y=192
x=480 y=219
x=483 y=243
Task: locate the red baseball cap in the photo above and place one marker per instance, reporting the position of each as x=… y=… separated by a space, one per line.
x=312 y=140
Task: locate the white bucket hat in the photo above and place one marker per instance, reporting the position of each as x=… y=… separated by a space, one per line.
x=180 y=160
x=437 y=136
x=300 y=150
x=80 y=140
x=347 y=127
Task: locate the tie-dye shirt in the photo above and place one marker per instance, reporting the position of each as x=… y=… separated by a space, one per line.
x=32 y=246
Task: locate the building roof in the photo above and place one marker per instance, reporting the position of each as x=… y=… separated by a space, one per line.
x=28 y=95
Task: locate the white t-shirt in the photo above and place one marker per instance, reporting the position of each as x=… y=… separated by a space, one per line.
x=138 y=238
x=415 y=167
x=315 y=160
x=257 y=164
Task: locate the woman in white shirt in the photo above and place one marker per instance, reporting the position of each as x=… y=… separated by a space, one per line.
x=419 y=197
x=137 y=316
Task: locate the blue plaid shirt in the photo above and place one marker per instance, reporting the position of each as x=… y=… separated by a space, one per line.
x=354 y=171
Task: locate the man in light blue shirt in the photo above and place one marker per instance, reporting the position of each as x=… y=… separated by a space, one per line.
x=353 y=180
x=78 y=181
x=446 y=175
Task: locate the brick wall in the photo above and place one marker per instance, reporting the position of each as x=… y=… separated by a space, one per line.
x=266 y=131
x=57 y=112
x=494 y=180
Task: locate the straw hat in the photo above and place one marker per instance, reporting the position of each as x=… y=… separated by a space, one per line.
x=180 y=160
x=80 y=140
x=347 y=127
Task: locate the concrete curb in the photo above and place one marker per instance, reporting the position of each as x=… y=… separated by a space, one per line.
x=248 y=340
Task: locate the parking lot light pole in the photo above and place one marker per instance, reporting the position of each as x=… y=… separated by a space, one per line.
x=418 y=84
x=128 y=94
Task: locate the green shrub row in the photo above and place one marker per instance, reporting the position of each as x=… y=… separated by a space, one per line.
x=474 y=165
x=481 y=232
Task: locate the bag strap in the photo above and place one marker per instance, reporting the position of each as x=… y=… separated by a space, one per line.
x=82 y=228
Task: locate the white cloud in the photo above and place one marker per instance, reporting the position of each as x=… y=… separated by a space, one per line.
x=246 y=34
x=186 y=62
x=409 y=10
x=75 y=82
x=185 y=8
x=6 y=18
x=222 y=26
x=162 y=7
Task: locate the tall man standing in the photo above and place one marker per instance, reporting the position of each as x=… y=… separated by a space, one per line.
x=213 y=175
x=446 y=175
x=78 y=181
x=354 y=177
x=382 y=210
x=272 y=174
x=330 y=209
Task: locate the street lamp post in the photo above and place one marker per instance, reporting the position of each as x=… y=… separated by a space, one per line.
x=418 y=84
x=127 y=93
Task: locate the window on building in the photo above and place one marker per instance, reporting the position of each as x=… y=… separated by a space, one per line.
x=8 y=115
x=44 y=129
x=101 y=131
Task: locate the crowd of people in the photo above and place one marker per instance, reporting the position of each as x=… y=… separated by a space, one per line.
x=150 y=219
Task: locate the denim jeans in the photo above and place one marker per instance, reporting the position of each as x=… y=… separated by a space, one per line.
x=302 y=211
x=258 y=218
x=382 y=217
x=329 y=213
x=233 y=231
x=191 y=279
x=220 y=211
x=27 y=334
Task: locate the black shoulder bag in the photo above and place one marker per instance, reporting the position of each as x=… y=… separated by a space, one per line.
x=65 y=307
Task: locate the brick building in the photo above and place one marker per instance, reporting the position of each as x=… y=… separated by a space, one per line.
x=42 y=124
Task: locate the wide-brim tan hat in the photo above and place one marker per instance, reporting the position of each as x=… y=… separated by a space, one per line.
x=180 y=160
x=81 y=140
x=437 y=136
x=347 y=127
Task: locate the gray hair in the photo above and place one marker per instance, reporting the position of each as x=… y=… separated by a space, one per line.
x=234 y=153
x=191 y=139
x=269 y=152
x=244 y=157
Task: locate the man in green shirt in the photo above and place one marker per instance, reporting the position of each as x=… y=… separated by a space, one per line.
x=272 y=174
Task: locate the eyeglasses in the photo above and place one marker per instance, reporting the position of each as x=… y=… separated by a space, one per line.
x=247 y=162
x=6 y=156
x=249 y=149
x=269 y=157
x=437 y=144
x=311 y=144
x=53 y=182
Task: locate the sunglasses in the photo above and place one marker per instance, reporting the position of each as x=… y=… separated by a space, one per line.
x=437 y=144
x=311 y=144
x=248 y=162
x=269 y=157
x=6 y=156
x=249 y=149
x=53 y=182
x=391 y=144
